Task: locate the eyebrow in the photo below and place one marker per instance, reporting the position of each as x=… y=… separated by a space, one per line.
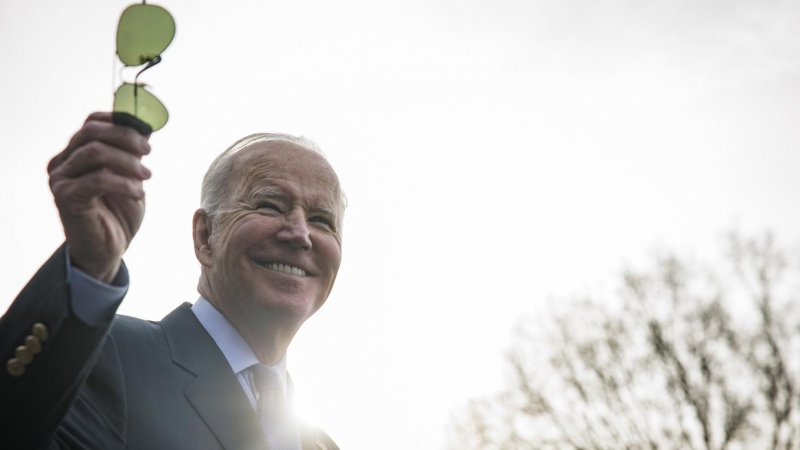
x=325 y=210
x=268 y=193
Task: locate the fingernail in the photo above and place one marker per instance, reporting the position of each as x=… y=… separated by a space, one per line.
x=146 y=172
x=146 y=148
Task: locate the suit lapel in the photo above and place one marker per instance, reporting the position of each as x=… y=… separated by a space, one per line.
x=216 y=393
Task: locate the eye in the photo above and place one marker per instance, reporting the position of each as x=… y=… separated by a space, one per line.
x=322 y=220
x=269 y=206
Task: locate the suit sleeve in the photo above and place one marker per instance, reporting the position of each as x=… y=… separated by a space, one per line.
x=34 y=403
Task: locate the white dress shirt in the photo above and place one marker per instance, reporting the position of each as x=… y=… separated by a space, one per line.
x=236 y=350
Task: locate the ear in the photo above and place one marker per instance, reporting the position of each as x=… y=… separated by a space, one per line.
x=201 y=233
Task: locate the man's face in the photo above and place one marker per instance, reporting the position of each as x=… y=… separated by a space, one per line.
x=276 y=245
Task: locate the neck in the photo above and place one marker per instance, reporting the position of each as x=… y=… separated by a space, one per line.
x=267 y=338
x=268 y=334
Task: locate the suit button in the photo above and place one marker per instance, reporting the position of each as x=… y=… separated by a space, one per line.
x=33 y=344
x=40 y=331
x=14 y=367
x=24 y=355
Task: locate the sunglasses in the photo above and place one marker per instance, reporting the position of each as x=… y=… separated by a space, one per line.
x=143 y=33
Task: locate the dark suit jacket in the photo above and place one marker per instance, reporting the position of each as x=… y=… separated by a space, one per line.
x=127 y=384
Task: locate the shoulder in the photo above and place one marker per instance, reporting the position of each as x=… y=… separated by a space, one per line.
x=132 y=335
x=148 y=340
x=127 y=326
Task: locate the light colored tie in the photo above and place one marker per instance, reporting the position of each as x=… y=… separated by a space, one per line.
x=273 y=413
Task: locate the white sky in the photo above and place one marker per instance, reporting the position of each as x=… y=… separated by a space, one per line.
x=495 y=154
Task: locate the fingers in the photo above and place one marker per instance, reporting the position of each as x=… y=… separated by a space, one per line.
x=100 y=158
x=100 y=116
x=72 y=195
x=97 y=155
x=99 y=128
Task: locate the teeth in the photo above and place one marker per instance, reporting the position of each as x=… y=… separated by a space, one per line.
x=285 y=268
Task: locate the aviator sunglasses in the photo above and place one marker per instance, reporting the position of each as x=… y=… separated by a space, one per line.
x=143 y=33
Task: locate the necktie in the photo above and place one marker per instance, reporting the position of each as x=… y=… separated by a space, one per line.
x=273 y=412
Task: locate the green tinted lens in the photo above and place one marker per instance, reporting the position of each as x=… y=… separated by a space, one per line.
x=144 y=32
x=136 y=101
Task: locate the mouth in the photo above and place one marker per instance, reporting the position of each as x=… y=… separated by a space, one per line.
x=284 y=268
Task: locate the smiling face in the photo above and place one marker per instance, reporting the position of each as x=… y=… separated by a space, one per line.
x=275 y=247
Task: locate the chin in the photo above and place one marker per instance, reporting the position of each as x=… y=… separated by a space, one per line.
x=286 y=306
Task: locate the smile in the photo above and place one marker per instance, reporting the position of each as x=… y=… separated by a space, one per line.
x=285 y=268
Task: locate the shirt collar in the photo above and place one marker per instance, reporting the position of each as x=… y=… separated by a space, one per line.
x=230 y=342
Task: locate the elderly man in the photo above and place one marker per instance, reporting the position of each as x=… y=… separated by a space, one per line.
x=208 y=376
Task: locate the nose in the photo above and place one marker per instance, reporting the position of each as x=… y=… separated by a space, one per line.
x=295 y=230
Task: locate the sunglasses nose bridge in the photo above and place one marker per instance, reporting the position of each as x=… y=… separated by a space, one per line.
x=150 y=63
x=148 y=59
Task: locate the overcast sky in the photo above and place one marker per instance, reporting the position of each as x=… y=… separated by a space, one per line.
x=497 y=155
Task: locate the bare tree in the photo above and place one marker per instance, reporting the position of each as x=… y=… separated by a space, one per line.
x=683 y=358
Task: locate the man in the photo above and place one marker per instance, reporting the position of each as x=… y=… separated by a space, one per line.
x=208 y=376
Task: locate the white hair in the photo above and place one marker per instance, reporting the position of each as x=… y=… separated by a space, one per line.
x=216 y=187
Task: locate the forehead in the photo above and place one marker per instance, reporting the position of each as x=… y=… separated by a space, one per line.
x=283 y=165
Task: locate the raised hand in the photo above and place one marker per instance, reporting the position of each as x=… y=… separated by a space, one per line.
x=97 y=185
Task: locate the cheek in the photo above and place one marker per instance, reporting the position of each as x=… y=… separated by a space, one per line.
x=330 y=253
x=236 y=240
